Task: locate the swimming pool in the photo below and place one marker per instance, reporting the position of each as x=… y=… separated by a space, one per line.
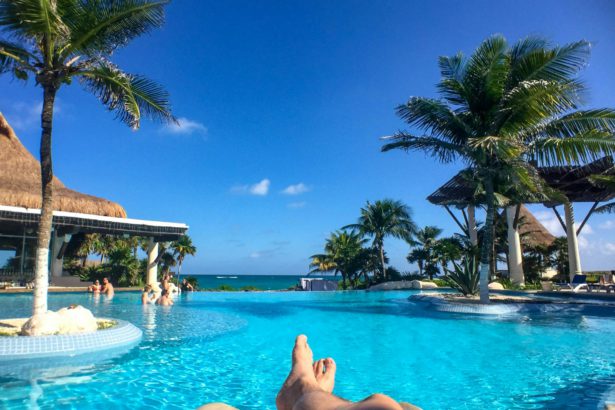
x=235 y=348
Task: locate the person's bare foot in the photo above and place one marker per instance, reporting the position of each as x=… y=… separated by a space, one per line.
x=324 y=371
x=301 y=379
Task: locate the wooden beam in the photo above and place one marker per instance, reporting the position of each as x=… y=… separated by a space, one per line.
x=561 y=221
x=456 y=220
x=591 y=211
x=465 y=217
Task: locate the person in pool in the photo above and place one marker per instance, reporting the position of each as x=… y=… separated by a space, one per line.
x=164 y=299
x=95 y=287
x=148 y=296
x=186 y=286
x=107 y=288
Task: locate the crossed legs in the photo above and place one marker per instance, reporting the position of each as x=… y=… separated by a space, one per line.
x=309 y=386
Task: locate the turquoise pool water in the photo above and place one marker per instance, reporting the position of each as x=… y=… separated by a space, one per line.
x=235 y=347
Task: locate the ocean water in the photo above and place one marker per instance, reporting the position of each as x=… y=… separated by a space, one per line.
x=235 y=347
x=264 y=282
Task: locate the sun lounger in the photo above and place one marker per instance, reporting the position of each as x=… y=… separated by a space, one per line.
x=606 y=283
x=578 y=283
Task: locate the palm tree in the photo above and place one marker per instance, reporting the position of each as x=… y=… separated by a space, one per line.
x=423 y=253
x=344 y=254
x=167 y=261
x=418 y=256
x=449 y=249
x=382 y=219
x=503 y=111
x=182 y=248
x=424 y=243
x=56 y=42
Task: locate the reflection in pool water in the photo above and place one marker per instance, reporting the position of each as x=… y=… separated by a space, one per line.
x=235 y=347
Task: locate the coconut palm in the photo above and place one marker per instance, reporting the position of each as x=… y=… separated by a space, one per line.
x=182 y=248
x=503 y=111
x=344 y=254
x=382 y=219
x=55 y=42
x=423 y=252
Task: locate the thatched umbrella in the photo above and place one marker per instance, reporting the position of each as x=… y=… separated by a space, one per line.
x=20 y=182
x=532 y=231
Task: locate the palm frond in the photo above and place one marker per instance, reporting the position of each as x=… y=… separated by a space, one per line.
x=580 y=122
x=506 y=149
x=432 y=146
x=31 y=18
x=130 y=96
x=606 y=208
x=534 y=102
x=485 y=74
x=14 y=58
x=582 y=148
x=434 y=116
x=451 y=86
x=539 y=62
x=106 y=25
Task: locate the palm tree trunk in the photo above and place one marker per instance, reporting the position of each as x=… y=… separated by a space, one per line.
x=485 y=260
x=384 y=266
x=43 y=235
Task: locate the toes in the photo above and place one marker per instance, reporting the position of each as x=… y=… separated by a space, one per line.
x=302 y=355
x=299 y=351
x=319 y=367
x=330 y=366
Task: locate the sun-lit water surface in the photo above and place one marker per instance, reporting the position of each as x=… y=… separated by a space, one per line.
x=235 y=348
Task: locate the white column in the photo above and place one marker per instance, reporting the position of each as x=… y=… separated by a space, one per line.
x=515 y=256
x=152 y=265
x=472 y=225
x=574 y=260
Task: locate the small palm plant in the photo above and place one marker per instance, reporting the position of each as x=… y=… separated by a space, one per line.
x=56 y=42
x=465 y=277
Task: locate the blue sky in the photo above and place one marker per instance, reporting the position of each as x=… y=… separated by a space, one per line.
x=282 y=104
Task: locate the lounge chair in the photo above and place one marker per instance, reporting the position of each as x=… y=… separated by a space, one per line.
x=606 y=283
x=578 y=283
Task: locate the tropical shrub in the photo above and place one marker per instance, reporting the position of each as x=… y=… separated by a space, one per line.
x=442 y=283
x=464 y=277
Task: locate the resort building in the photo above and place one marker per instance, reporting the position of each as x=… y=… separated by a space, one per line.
x=74 y=213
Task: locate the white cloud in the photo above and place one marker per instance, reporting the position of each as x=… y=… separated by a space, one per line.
x=296 y=189
x=185 y=126
x=610 y=224
x=296 y=205
x=260 y=188
x=255 y=255
x=608 y=248
x=553 y=225
x=25 y=116
x=550 y=221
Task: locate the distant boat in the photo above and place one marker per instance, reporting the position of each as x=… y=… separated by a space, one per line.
x=226 y=277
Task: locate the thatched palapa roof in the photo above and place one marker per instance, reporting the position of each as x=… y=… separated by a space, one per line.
x=20 y=182
x=532 y=231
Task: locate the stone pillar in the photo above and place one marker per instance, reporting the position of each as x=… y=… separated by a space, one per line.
x=574 y=260
x=515 y=256
x=472 y=225
x=152 y=265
